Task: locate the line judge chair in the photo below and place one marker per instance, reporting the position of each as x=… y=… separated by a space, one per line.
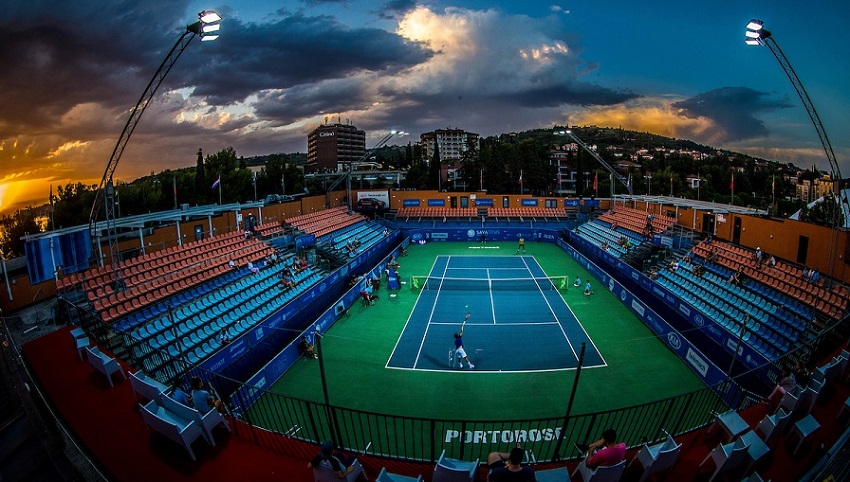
x=453 y=470
x=657 y=458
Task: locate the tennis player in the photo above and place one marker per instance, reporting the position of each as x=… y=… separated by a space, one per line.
x=521 y=245
x=460 y=353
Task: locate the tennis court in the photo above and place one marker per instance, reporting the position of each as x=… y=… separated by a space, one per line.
x=519 y=321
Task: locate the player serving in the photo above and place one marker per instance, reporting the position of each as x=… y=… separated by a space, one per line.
x=460 y=353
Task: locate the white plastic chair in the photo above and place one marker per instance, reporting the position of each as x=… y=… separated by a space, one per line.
x=657 y=458
x=773 y=425
x=453 y=470
x=727 y=457
x=603 y=473
x=385 y=476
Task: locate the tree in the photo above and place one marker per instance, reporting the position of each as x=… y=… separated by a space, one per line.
x=73 y=205
x=435 y=170
x=16 y=226
x=201 y=184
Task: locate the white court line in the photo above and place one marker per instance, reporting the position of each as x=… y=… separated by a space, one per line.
x=415 y=304
x=490 y=372
x=492 y=302
x=552 y=310
x=431 y=316
x=528 y=323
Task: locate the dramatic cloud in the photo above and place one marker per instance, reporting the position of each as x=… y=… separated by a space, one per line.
x=72 y=72
x=732 y=112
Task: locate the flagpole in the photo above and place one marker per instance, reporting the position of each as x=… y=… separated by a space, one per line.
x=219 y=192
x=175 y=191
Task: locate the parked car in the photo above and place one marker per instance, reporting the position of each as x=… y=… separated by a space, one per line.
x=371 y=203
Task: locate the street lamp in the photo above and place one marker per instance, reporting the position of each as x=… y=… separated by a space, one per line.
x=207 y=28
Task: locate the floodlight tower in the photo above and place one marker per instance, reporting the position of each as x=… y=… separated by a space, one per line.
x=756 y=34
x=207 y=28
x=599 y=159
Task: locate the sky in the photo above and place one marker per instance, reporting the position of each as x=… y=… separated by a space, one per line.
x=73 y=70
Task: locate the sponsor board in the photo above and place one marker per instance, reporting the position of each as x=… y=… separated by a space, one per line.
x=382 y=195
x=697 y=362
x=408 y=203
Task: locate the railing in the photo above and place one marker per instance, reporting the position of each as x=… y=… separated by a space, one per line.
x=423 y=439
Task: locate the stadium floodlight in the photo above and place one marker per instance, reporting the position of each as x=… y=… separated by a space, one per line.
x=758 y=35
x=209 y=16
x=755 y=25
x=206 y=28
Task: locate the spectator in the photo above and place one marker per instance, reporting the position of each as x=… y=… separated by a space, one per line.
x=653 y=274
x=178 y=392
x=507 y=467
x=223 y=337
x=604 y=246
x=306 y=348
x=302 y=264
x=815 y=276
x=340 y=463
x=272 y=259
x=403 y=252
x=605 y=451
x=802 y=374
x=286 y=279
x=786 y=383
x=203 y=401
x=771 y=261
x=253 y=268
x=232 y=264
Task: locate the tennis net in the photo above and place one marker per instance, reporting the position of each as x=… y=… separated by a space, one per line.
x=433 y=283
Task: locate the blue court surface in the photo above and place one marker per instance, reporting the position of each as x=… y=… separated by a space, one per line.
x=518 y=321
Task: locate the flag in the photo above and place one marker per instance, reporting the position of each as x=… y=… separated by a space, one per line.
x=520 y=176
x=595 y=182
x=559 y=176
x=51 y=196
x=216 y=183
x=732 y=182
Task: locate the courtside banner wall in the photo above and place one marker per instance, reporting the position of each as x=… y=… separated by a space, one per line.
x=475 y=234
x=248 y=393
x=689 y=353
x=693 y=318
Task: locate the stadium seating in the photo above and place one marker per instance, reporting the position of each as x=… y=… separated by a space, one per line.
x=727 y=457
